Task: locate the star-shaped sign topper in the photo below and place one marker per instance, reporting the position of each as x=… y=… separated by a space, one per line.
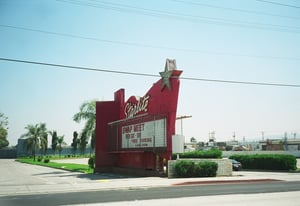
x=166 y=75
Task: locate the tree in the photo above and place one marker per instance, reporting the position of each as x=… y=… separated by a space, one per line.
x=193 y=139
x=53 y=140
x=3 y=131
x=75 y=142
x=44 y=143
x=83 y=141
x=93 y=142
x=35 y=135
x=60 y=143
x=87 y=112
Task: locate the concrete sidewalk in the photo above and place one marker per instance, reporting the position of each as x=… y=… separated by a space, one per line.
x=22 y=179
x=83 y=161
x=112 y=182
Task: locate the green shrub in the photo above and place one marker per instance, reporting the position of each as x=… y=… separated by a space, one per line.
x=46 y=160
x=204 y=154
x=91 y=162
x=267 y=161
x=192 y=169
x=39 y=159
x=185 y=169
x=208 y=169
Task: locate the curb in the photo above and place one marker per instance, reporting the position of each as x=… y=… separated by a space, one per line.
x=225 y=182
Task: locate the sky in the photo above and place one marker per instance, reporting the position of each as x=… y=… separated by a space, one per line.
x=246 y=41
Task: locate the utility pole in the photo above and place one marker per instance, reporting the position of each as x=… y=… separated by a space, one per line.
x=285 y=141
x=263 y=135
x=211 y=136
x=181 y=123
x=295 y=134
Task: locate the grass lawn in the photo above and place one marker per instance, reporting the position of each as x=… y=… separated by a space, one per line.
x=65 y=166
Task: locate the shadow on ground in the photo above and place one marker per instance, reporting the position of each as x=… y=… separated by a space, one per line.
x=103 y=176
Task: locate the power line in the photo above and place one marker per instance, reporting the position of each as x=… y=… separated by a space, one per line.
x=146 y=45
x=145 y=74
x=242 y=82
x=234 y=9
x=184 y=17
x=77 y=67
x=279 y=4
x=73 y=35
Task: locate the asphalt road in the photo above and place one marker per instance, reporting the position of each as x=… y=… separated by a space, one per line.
x=262 y=199
x=138 y=194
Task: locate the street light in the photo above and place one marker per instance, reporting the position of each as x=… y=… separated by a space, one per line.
x=181 y=118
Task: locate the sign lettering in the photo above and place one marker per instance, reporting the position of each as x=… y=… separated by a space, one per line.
x=145 y=134
x=132 y=109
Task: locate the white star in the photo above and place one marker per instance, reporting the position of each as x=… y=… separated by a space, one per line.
x=166 y=79
x=169 y=68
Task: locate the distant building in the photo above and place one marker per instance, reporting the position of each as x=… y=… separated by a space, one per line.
x=280 y=144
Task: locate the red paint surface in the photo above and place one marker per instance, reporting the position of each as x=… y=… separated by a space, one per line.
x=105 y=112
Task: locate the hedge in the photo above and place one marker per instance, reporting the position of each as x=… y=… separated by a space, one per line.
x=191 y=169
x=204 y=154
x=91 y=162
x=267 y=161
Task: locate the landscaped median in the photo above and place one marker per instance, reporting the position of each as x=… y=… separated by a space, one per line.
x=65 y=166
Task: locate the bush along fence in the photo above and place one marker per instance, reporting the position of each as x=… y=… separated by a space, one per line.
x=91 y=162
x=204 y=154
x=206 y=163
x=192 y=169
x=224 y=167
x=267 y=161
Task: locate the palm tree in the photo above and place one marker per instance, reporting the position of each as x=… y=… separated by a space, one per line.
x=3 y=131
x=75 y=141
x=83 y=141
x=53 y=140
x=35 y=137
x=60 y=143
x=87 y=112
x=28 y=145
x=93 y=142
x=44 y=143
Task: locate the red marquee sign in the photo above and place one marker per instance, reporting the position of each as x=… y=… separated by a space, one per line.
x=136 y=135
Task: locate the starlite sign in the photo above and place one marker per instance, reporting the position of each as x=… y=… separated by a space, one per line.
x=132 y=109
x=137 y=133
